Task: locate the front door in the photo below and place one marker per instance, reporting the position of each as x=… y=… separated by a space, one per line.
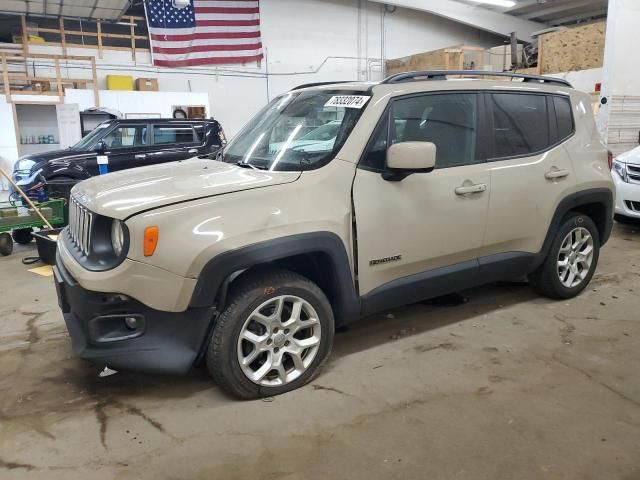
x=427 y=221
x=125 y=146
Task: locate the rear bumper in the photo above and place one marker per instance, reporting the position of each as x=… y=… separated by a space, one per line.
x=163 y=342
x=627 y=198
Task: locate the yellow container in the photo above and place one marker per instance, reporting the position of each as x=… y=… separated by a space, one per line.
x=119 y=82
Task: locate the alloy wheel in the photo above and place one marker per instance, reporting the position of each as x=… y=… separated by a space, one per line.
x=279 y=340
x=575 y=257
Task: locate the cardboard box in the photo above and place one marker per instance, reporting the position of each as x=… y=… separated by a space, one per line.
x=119 y=82
x=40 y=85
x=147 y=84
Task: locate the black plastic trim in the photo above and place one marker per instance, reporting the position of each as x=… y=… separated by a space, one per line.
x=218 y=269
x=168 y=342
x=418 y=76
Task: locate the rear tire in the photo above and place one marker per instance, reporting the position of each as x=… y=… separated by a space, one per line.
x=571 y=261
x=22 y=236
x=274 y=335
x=6 y=244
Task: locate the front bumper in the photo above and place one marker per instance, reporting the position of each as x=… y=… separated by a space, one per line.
x=163 y=342
x=627 y=198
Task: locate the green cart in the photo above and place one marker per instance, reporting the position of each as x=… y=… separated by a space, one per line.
x=21 y=220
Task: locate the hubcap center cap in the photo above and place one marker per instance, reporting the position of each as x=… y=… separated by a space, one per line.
x=279 y=339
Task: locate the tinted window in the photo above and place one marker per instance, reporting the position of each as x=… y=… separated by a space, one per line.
x=447 y=120
x=163 y=134
x=563 y=115
x=126 y=137
x=520 y=124
x=377 y=152
x=199 y=129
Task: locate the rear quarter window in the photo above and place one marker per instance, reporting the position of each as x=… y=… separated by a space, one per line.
x=564 y=117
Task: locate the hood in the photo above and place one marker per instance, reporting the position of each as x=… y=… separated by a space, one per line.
x=632 y=156
x=123 y=194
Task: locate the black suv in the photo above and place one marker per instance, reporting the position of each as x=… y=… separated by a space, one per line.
x=119 y=145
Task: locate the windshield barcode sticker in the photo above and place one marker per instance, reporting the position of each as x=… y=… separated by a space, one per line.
x=347 y=101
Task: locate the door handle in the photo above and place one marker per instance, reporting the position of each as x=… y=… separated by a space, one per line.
x=555 y=173
x=466 y=189
x=192 y=150
x=140 y=156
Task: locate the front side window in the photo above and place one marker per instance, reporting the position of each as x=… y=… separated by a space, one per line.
x=520 y=124
x=126 y=137
x=297 y=131
x=168 y=134
x=447 y=120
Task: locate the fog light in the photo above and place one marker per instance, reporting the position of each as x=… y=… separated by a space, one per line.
x=132 y=323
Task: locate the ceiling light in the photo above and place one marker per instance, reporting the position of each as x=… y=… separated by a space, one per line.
x=497 y=3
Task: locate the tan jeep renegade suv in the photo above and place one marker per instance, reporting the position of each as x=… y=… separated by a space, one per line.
x=335 y=202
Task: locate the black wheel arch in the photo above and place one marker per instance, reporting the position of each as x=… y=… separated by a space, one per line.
x=596 y=203
x=319 y=256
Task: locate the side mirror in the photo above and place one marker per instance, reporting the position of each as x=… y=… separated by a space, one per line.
x=100 y=147
x=406 y=158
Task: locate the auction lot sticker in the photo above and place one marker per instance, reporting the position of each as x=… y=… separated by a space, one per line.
x=347 y=101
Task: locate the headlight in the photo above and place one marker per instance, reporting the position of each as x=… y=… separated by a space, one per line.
x=621 y=170
x=117 y=237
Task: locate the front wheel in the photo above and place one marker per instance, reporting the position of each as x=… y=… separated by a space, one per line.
x=273 y=337
x=571 y=261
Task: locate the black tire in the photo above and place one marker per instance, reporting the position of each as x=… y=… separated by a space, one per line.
x=246 y=295
x=545 y=279
x=6 y=244
x=22 y=236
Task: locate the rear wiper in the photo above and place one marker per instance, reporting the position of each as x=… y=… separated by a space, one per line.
x=249 y=165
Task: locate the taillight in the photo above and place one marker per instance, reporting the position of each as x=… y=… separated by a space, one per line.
x=610 y=159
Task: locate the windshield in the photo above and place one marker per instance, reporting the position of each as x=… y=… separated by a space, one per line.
x=88 y=142
x=297 y=131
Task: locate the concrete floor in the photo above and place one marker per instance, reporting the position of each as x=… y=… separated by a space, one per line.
x=509 y=386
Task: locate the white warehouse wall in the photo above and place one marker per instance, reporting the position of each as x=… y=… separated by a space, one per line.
x=305 y=41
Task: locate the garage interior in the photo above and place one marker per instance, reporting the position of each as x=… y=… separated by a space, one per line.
x=492 y=382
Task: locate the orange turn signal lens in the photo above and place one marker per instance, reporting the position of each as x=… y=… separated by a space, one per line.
x=150 y=240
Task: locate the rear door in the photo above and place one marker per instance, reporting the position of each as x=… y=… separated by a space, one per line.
x=125 y=145
x=531 y=171
x=173 y=141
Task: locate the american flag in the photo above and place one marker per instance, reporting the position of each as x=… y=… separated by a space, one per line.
x=203 y=33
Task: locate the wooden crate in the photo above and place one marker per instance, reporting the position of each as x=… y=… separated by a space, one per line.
x=457 y=57
x=577 y=48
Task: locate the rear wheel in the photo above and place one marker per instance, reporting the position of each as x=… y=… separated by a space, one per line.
x=571 y=261
x=273 y=337
x=6 y=244
x=22 y=235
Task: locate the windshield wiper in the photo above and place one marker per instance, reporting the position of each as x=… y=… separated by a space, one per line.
x=250 y=165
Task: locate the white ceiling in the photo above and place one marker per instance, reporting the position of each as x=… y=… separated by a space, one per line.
x=97 y=9
x=552 y=12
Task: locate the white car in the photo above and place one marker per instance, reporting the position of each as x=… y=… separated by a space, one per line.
x=627 y=180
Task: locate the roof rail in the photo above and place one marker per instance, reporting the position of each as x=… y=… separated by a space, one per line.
x=318 y=84
x=442 y=75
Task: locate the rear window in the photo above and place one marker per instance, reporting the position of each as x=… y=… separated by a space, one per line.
x=164 y=134
x=520 y=124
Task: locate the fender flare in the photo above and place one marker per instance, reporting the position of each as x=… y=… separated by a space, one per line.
x=216 y=273
x=602 y=196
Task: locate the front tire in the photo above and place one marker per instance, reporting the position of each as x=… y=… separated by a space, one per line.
x=273 y=337
x=571 y=261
